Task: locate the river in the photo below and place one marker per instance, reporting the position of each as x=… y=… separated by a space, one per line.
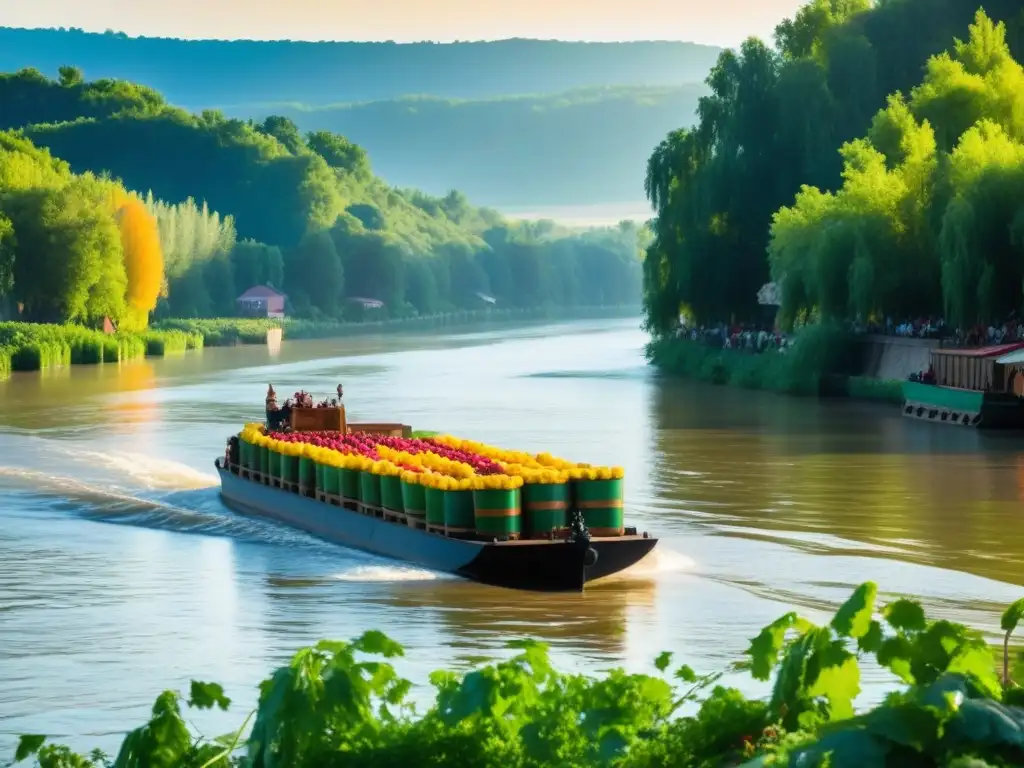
x=121 y=573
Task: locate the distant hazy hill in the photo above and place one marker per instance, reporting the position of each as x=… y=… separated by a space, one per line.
x=201 y=74
x=579 y=147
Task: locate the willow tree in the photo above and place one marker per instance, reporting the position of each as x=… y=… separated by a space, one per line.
x=930 y=214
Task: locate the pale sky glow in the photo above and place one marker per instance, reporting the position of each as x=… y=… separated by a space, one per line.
x=713 y=22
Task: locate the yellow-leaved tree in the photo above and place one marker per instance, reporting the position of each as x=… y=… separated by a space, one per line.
x=143 y=259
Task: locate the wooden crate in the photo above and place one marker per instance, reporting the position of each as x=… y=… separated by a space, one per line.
x=382 y=428
x=319 y=419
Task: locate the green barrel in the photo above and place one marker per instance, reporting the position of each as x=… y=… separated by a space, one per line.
x=545 y=508
x=391 y=493
x=251 y=457
x=348 y=483
x=331 y=479
x=307 y=472
x=414 y=499
x=497 y=512
x=264 y=460
x=600 y=501
x=289 y=468
x=458 y=511
x=275 y=464
x=319 y=476
x=243 y=453
x=435 y=505
x=369 y=489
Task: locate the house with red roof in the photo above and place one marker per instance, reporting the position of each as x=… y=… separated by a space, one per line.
x=261 y=301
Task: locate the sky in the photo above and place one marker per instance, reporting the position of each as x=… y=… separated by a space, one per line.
x=713 y=22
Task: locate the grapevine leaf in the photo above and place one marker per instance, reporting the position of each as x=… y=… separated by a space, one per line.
x=908 y=724
x=28 y=744
x=207 y=696
x=764 y=649
x=853 y=619
x=907 y=615
x=663 y=660
x=871 y=640
x=976 y=662
x=1012 y=616
x=983 y=722
x=838 y=681
x=847 y=748
x=397 y=692
x=378 y=644
x=895 y=653
x=686 y=674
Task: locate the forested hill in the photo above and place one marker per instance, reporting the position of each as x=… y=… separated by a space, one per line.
x=576 y=148
x=208 y=73
x=241 y=203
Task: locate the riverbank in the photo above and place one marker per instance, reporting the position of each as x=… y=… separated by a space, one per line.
x=823 y=362
x=231 y=331
x=27 y=347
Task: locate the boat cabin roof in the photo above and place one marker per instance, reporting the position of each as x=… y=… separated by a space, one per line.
x=1013 y=358
x=993 y=351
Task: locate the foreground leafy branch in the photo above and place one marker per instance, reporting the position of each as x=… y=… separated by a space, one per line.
x=343 y=704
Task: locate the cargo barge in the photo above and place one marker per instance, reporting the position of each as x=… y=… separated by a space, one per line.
x=503 y=518
x=979 y=387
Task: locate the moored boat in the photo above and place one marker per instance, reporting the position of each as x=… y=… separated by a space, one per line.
x=977 y=387
x=499 y=517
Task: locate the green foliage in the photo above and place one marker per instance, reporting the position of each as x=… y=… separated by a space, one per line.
x=343 y=704
x=36 y=347
x=170 y=342
x=312 y=217
x=818 y=351
x=921 y=216
x=924 y=218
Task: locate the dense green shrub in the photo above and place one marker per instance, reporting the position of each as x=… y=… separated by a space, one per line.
x=342 y=704
x=817 y=351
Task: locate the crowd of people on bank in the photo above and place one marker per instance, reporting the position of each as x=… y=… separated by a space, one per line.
x=762 y=338
x=739 y=336
x=1010 y=330
x=755 y=338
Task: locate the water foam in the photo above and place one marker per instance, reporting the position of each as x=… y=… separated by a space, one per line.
x=148 y=471
x=660 y=561
x=385 y=573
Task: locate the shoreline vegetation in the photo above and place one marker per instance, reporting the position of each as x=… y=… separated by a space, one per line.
x=868 y=166
x=820 y=361
x=26 y=347
x=957 y=703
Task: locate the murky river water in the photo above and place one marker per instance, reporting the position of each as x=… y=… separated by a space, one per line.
x=122 y=574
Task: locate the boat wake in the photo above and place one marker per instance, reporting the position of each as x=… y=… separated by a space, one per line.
x=147 y=471
x=389 y=573
x=659 y=562
x=189 y=510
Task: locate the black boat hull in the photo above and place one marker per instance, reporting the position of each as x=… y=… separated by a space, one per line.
x=554 y=566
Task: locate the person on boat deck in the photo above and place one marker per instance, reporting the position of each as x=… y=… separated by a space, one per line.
x=929 y=376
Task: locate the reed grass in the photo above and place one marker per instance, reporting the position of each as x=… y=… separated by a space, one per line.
x=37 y=346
